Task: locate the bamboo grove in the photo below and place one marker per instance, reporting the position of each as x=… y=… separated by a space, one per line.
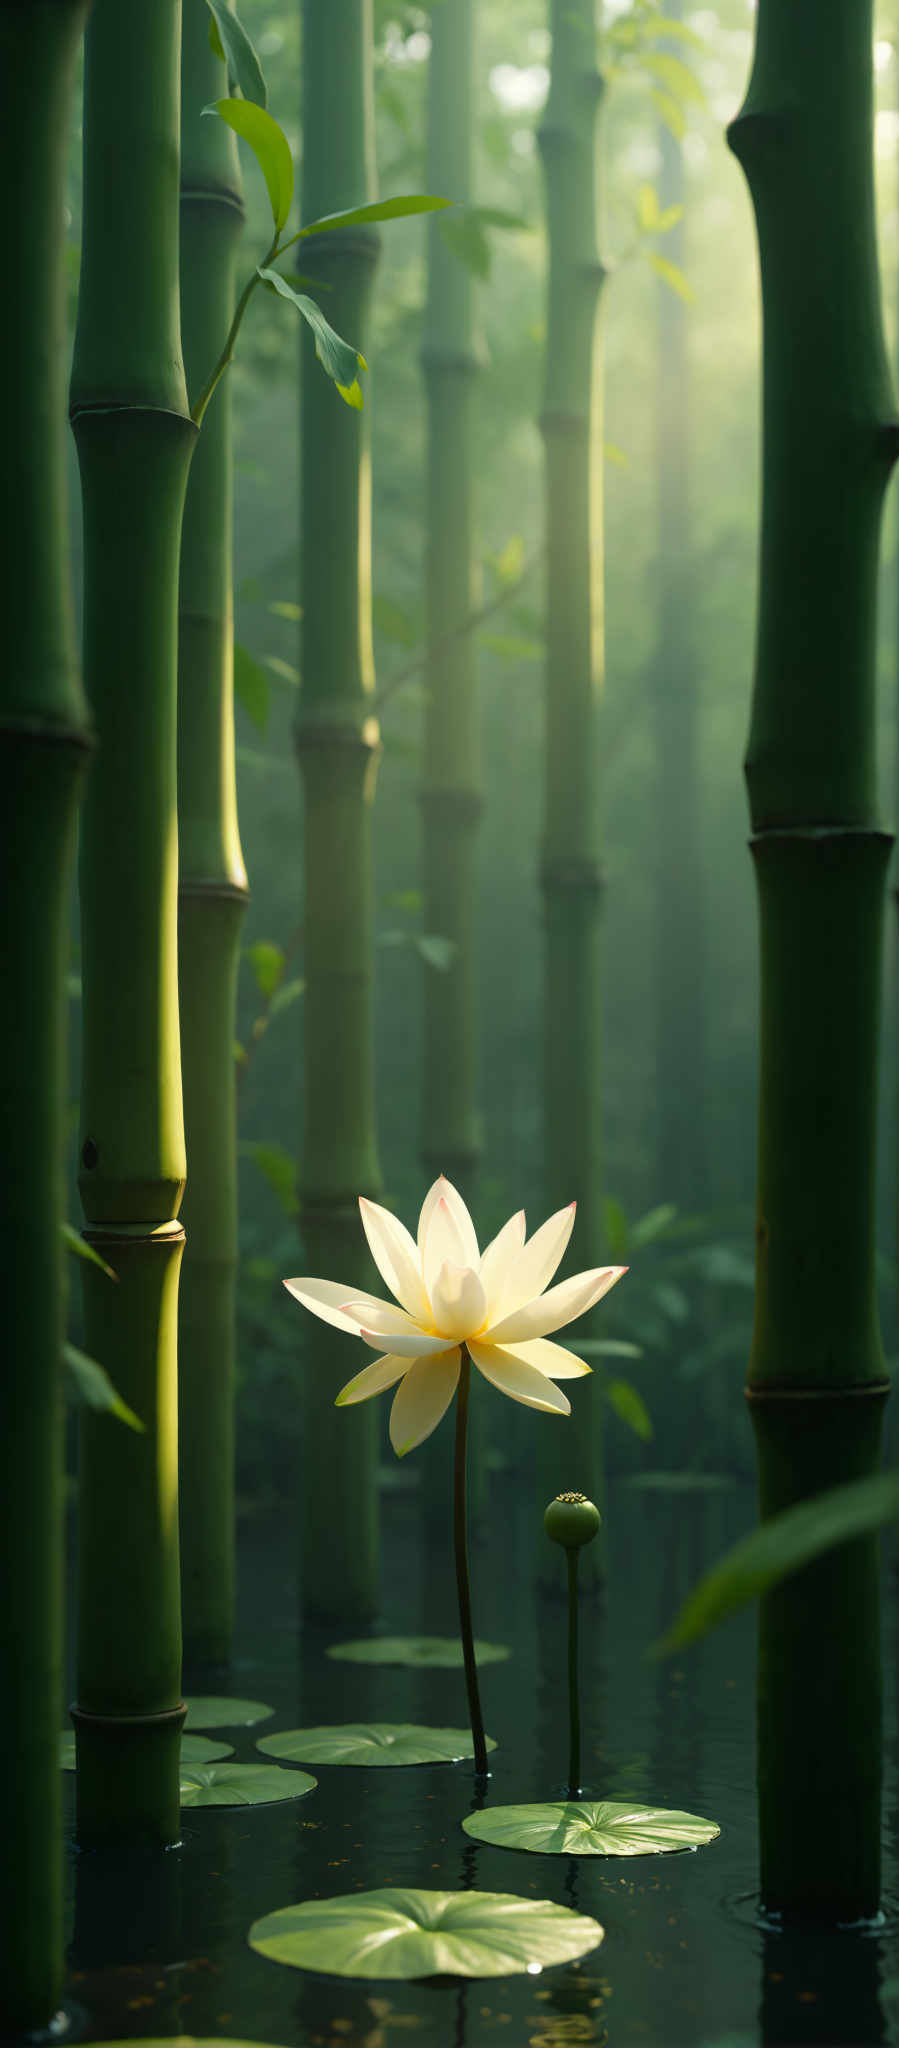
x=143 y=736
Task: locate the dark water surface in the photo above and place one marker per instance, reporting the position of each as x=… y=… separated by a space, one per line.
x=161 y=1948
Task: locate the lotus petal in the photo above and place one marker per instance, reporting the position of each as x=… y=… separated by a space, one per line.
x=458 y=1301
x=500 y=1255
x=422 y=1399
x=560 y=1306
x=553 y=1359
x=396 y=1256
x=513 y=1376
x=535 y=1265
x=372 y=1380
x=443 y=1190
x=328 y=1299
x=444 y=1245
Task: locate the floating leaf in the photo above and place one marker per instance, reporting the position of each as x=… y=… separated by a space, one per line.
x=372 y=1743
x=251 y=687
x=236 y=49
x=338 y=358
x=780 y=1546
x=195 y=1749
x=81 y=1249
x=443 y=1653
x=206 y=1712
x=671 y=275
x=91 y=1385
x=242 y=1785
x=270 y=147
x=180 y=2041
x=629 y=1407
x=403 y=1934
x=604 y=1827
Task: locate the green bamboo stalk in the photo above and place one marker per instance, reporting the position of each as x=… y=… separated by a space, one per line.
x=677 y=807
x=451 y=795
x=571 y=873
x=212 y=889
x=338 y=744
x=817 y=1377
x=43 y=748
x=134 y=439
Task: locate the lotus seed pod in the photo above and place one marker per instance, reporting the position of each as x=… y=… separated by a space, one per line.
x=571 y=1519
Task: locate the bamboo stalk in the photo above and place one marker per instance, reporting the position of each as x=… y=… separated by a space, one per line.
x=817 y=1376
x=571 y=873
x=43 y=748
x=451 y=793
x=212 y=890
x=677 y=808
x=134 y=439
x=338 y=743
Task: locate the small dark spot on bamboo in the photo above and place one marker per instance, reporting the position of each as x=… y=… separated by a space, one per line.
x=90 y=1153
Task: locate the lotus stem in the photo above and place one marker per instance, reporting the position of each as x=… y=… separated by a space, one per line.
x=463 y=1583
x=574 y=1705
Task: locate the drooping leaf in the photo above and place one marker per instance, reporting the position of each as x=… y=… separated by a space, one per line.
x=338 y=358
x=251 y=687
x=267 y=962
x=671 y=274
x=404 y=1934
x=242 y=1784
x=270 y=147
x=629 y=1407
x=441 y=1653
x=91 y=1385
x=675 y=77
x=205 y=1711
x=286 y=996
x=374 y=1743
x=195 y=1749
x=81 y=1249
x=652 y=1226
x=400 y=208
x=670 y=113
x=604 y=1827
x=279 y=1170
x=236 y=49
x=436 y=951
x=778 y=1547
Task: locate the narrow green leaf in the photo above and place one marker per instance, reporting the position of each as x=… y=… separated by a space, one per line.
x=669 y=218
x=617 y=1231
x=267 y=962
x=436 y=951
x=284 y=670
x=284 y=608
x=235 y=47
x=240 y=1053
x=653 y=1225
x=279 y=1170
x=647 y=208
x=338 y=358
x=780 y=1546
x=629 y=1407
x=464 y=233
x=614 y=454
x=251 y=687
x=270 y=147
x=669 y=112
x=674 y=277
x=78 y=1245
x=287 y=995
x=92 y=1386
x=678 y=81
x=608 y=1347
x=401 y=208
x=215 y=41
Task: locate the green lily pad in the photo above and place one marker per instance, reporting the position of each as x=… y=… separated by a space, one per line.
x=399 y=1933
x=195 y=1749
x=603 y=1827
x=439 y=1653
x=242 y=1785
x=220 y=1713
x=372 y=1742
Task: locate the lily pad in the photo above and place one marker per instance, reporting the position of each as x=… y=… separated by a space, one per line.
x=242 y=1785
x=371 y=1742
x=399 y=1933
x=603 y=1827
x=195 y=1749
x=439 y=1653
x=220 y=1713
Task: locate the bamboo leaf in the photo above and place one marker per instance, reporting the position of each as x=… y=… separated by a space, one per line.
x=251 y=687
x=629 y=1407
x=284 y=608
x=393 y=621
x=233 y=45
x=401 y=208
x=78 y=1245
x=647 y=207
x=678 y=81
x=669 y=112
x=279 y=1170
x=286 y=996
x=270 y=147
x=616 y=1229
x=668 y=218
x=780 y=1546
x=672 y=275
x=267 y=961
x=661 y=25
x=464 y=233
x=653 y=1225
x=609 y=1347
x=436 y=951
x=92 y=1386
x=338 y=358
x=284 y=670
x=616 y=455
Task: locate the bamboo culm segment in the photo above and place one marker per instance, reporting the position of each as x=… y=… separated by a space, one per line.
x=817 y=1375
x=44 y=738
x=338 y=745
x=451 y=793
x=571 y=875
x=135 y=440
x=213 y=882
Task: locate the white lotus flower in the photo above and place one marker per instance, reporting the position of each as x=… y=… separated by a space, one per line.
x=450 y=1294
